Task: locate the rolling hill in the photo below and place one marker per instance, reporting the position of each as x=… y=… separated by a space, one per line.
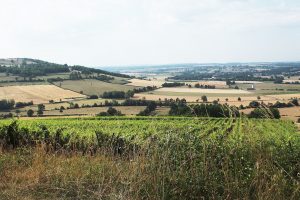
x=28 y=67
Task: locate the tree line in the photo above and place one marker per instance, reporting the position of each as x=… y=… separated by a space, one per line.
x=8 y=104
x=124 y=95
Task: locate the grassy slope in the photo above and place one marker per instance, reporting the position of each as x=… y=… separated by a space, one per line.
x=176 y=158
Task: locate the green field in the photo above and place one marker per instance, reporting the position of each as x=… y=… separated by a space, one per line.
x=149 y=158
x=91 y=86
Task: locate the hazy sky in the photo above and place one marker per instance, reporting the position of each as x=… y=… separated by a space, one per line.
x=125 y=32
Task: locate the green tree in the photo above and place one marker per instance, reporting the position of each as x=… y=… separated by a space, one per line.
x=18 y=112
x=295 y=102
x=204 y=98
x=41 y=107
x=112 y=111
x=272 y=113
x=7 y=104
x=129 y=94
x=40 y=112
x=30 y=113
x=61 y=109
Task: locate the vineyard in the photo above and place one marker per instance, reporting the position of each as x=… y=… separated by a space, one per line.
x=149 y=158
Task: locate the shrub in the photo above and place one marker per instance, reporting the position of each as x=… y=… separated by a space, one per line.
x=94 y=96
x=295 y=102
x=254 y=104
x=204 y=98
x=110 y=112
x=176 y=84
x=149 y=109
x=40 y=112
x=114 y=95
x=30 y=113
x=23 y=104
x=272 y=113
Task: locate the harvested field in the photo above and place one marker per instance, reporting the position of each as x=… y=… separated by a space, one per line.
x=291 y=81
x=249 y=82
x=202 y=91
x=231 y=100
x=162 y=111
x=292 y=113
x=216 y=83
x=283 y=97
x=37 y=93
x=145 y=83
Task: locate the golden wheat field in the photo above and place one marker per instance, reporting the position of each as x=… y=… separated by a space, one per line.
x=37 y=93
x=145 y=83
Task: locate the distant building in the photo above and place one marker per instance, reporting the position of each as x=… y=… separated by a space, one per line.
x=251 y=88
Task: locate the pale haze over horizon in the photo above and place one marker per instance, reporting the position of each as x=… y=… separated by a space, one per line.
x=133 y=32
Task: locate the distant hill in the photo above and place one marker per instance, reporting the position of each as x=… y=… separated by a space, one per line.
x=28 y=67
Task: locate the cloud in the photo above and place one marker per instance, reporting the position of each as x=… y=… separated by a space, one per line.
x=105 y=32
